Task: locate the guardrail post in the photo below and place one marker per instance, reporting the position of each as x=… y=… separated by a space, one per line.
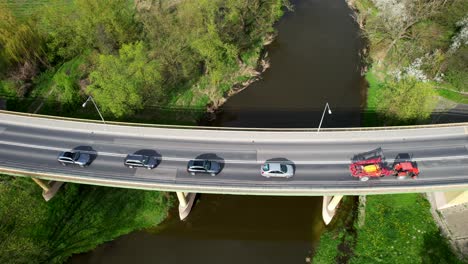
x=49 y=189
x=185 y=203
x=329 y=205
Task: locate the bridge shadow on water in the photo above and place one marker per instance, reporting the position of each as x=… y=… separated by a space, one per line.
x=310 y=118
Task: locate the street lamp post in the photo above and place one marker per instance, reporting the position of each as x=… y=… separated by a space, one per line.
x=321 y=120
x=90 y=98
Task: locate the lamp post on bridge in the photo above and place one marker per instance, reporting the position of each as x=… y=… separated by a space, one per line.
x=323 y=114
x=90 y=98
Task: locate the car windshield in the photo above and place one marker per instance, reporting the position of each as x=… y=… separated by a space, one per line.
x=76 y=155
x=284 y=168
x=145 y=159
x=266 y=167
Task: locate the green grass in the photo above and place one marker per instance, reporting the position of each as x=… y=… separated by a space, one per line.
x=7 y=88
x=397 y=229
x=370 y=117
x=24 y=8
x=77 y=219
x=339 y=237
x=400 y=229
x=453 y=96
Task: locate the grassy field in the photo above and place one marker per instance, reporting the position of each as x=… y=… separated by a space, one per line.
x=24 y=8
x=77 y=219
x=453 y=96
x=397 y=229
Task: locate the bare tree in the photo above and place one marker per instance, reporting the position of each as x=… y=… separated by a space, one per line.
x=397 y=17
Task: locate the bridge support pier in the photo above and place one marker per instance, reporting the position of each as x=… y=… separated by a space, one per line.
x=185 y=203
x=49 y=189
x=329 y=205
x=444 y=200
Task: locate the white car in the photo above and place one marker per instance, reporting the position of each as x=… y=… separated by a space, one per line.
x=272 y=169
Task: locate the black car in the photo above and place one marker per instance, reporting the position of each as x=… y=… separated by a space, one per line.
x=203 y=166
x=135 y=160
x=74 y=157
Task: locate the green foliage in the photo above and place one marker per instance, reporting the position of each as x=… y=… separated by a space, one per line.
x=397 y=229
x=336 y=243
x=7 y=88
x=78 y=219
x=66 y=81
x=121 y=83
x=103 y=25
x=457 y=66
x=19 y=220
x=199 y=44
x=327 y=250
x=422 y=30
x=19 y=42
x=195 y=50
x=405 y=101
x=400 y=229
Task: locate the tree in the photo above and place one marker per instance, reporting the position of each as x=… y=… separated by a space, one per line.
x=406 y=101
x=396 y=18
x=72 y=28
x=121 y=84
x=20 y=42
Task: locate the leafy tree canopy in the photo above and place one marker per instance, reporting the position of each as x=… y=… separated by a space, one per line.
x=406 y=100
x=121 y=83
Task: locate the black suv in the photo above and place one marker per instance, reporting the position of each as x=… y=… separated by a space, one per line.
x=135 y=160
x=203 y=166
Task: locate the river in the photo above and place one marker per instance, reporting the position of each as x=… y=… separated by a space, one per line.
x=314 y=60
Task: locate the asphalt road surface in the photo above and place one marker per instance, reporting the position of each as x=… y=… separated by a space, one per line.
x=321 y=166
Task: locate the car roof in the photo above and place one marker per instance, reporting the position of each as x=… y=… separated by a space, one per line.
x=275 y=166
x=134 y=157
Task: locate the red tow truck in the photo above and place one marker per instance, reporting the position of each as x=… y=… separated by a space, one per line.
x=372 y=164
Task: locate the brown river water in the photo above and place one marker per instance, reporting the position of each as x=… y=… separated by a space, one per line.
x=314 y=60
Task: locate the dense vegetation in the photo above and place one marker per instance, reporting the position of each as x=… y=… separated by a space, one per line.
x=78 y=219
x=391 y=229
x=130 y=55
x=418 y=49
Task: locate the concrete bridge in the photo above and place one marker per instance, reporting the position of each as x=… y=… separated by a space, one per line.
x=29 y=145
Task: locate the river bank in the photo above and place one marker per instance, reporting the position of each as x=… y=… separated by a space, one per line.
x=156 y=63
x=415 y=56
x=78 y=219
x=395 y=228
x=223 y=229
x=314 y=59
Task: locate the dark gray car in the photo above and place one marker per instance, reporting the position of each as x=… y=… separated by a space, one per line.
x=135 y=160
x=74 y=157
x=203 y=166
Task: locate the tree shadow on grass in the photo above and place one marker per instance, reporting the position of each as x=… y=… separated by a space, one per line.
x=436 y=249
